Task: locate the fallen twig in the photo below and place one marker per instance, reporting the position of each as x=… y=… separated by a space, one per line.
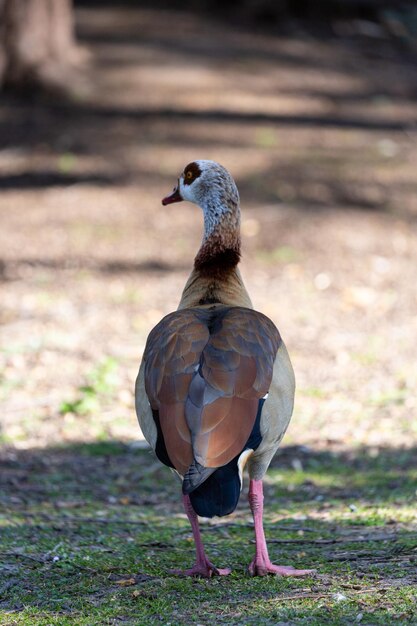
x=23 y=556
x=80 y=520
x=44 y=561
x=302 y=596
x=329 y=594
x=390 y=537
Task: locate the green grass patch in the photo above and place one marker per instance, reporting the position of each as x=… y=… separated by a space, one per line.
x=101 y=382
x=90 y=532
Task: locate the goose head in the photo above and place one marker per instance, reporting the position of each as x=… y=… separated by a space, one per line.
x=209 y=185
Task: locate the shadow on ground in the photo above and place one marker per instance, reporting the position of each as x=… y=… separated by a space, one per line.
x=153 y=90
x=91 y=530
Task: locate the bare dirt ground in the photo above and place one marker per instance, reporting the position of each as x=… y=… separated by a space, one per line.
x=320 y=135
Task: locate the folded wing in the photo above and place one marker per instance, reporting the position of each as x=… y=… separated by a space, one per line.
x=205 y=371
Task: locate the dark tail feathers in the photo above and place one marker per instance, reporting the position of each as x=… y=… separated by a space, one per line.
x=216 y=491
x=219 y=493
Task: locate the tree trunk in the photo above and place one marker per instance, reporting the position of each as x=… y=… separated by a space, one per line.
x=37 y=44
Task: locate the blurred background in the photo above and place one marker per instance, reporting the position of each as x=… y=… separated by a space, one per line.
x=312 y=106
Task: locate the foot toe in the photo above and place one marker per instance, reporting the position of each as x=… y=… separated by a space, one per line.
x=264 y=568
x=202 y=571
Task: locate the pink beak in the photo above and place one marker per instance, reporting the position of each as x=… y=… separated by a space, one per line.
x=174 y=197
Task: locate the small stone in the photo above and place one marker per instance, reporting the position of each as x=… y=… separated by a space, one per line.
x=297 y=465
x=339 y=597
x=322 y=281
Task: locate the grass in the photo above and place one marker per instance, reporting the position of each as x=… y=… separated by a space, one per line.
x=89 y=533
x=101 y=383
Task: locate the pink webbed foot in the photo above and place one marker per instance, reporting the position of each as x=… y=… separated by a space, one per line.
x=261 y=564
x=205 y=569
x=263 y=568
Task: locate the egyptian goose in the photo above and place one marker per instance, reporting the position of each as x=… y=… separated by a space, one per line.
x=215 y=388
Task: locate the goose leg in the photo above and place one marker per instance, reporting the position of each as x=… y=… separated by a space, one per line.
x=203 y=567
x=261 y=564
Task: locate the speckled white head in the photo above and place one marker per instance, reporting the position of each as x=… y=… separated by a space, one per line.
x=209 y=185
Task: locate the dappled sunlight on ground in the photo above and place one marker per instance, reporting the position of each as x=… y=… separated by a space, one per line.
x=319 y=136
x=90 y=532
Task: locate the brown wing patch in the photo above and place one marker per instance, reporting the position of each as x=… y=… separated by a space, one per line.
x=176 y=435
x=171 y=356
x=228 y=436
x=205 y=371
x=236 y=371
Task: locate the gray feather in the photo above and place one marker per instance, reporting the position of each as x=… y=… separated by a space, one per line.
x=195 y=476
